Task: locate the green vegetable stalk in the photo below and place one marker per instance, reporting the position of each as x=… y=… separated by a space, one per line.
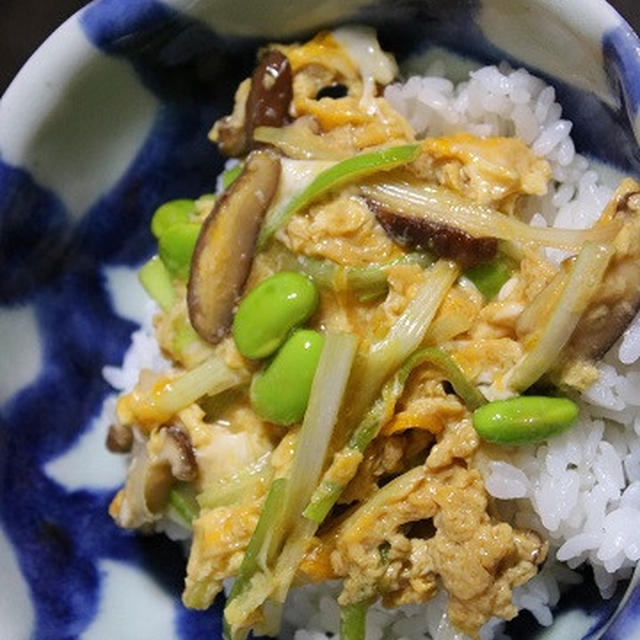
x=211 y=377
x=232 y=490
x=156 y=280
x=353 y=620
x=184 y=504
x=339 y=174
x=271 y=512
x=184 y=336
x=371 y=279
x=439 y=205
x=585 y=278
x=278 y=534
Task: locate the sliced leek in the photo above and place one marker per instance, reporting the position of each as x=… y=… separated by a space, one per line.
x=582 y=283
x=382 y=410
x=343 y=172
x=283 y=519
x=442 y=206
x=370 y=279
x=211 y=377
x=353 y=620
x=246 y=483
x=153 y=406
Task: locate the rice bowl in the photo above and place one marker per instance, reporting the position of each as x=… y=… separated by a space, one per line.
x=593 y=468
x=508 y=484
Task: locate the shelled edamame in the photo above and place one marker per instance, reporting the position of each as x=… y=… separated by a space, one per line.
x=524 y=419
x=170 y=213
x=263 y=325
x=175 y=226
x=271 y=310
x=280 y=393
x=176 y=246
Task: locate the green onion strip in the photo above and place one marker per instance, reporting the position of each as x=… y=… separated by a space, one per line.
x=336 y=176
x=287 y=497
x=380 y=413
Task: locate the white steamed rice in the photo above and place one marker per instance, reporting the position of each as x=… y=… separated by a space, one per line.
x=582 y=489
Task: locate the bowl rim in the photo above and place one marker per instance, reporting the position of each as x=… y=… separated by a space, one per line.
x=58 y=58
x=67 y=60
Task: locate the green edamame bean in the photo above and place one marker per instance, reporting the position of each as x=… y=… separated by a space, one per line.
x=524 y=419
x=170 y=213
x=176 y=246
x=269 y=312
x=281 y=392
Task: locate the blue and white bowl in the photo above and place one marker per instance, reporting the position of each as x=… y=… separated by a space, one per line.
x=105 y=122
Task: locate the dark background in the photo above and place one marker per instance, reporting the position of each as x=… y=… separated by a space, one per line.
x=26 y=23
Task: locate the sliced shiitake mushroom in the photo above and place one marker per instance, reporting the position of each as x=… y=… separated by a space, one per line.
x=224 y=251
x=119 y=438
x=271 y=92
x=618 y=298
x=267 y=104
x=443 y=240
x=609 y=314
x=165 y=458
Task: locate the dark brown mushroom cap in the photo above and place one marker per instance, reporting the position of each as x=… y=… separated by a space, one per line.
x=443 y=240
x=224 y=251
x=267 y=104
x=271 y=93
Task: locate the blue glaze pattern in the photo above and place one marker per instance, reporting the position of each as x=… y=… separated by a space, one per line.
x=622 y=54
x=55 y=264
x=34 y=234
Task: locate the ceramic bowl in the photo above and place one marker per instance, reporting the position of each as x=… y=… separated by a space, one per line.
x=105 y=122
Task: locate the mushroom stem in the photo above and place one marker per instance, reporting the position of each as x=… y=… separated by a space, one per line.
x=165 y=458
